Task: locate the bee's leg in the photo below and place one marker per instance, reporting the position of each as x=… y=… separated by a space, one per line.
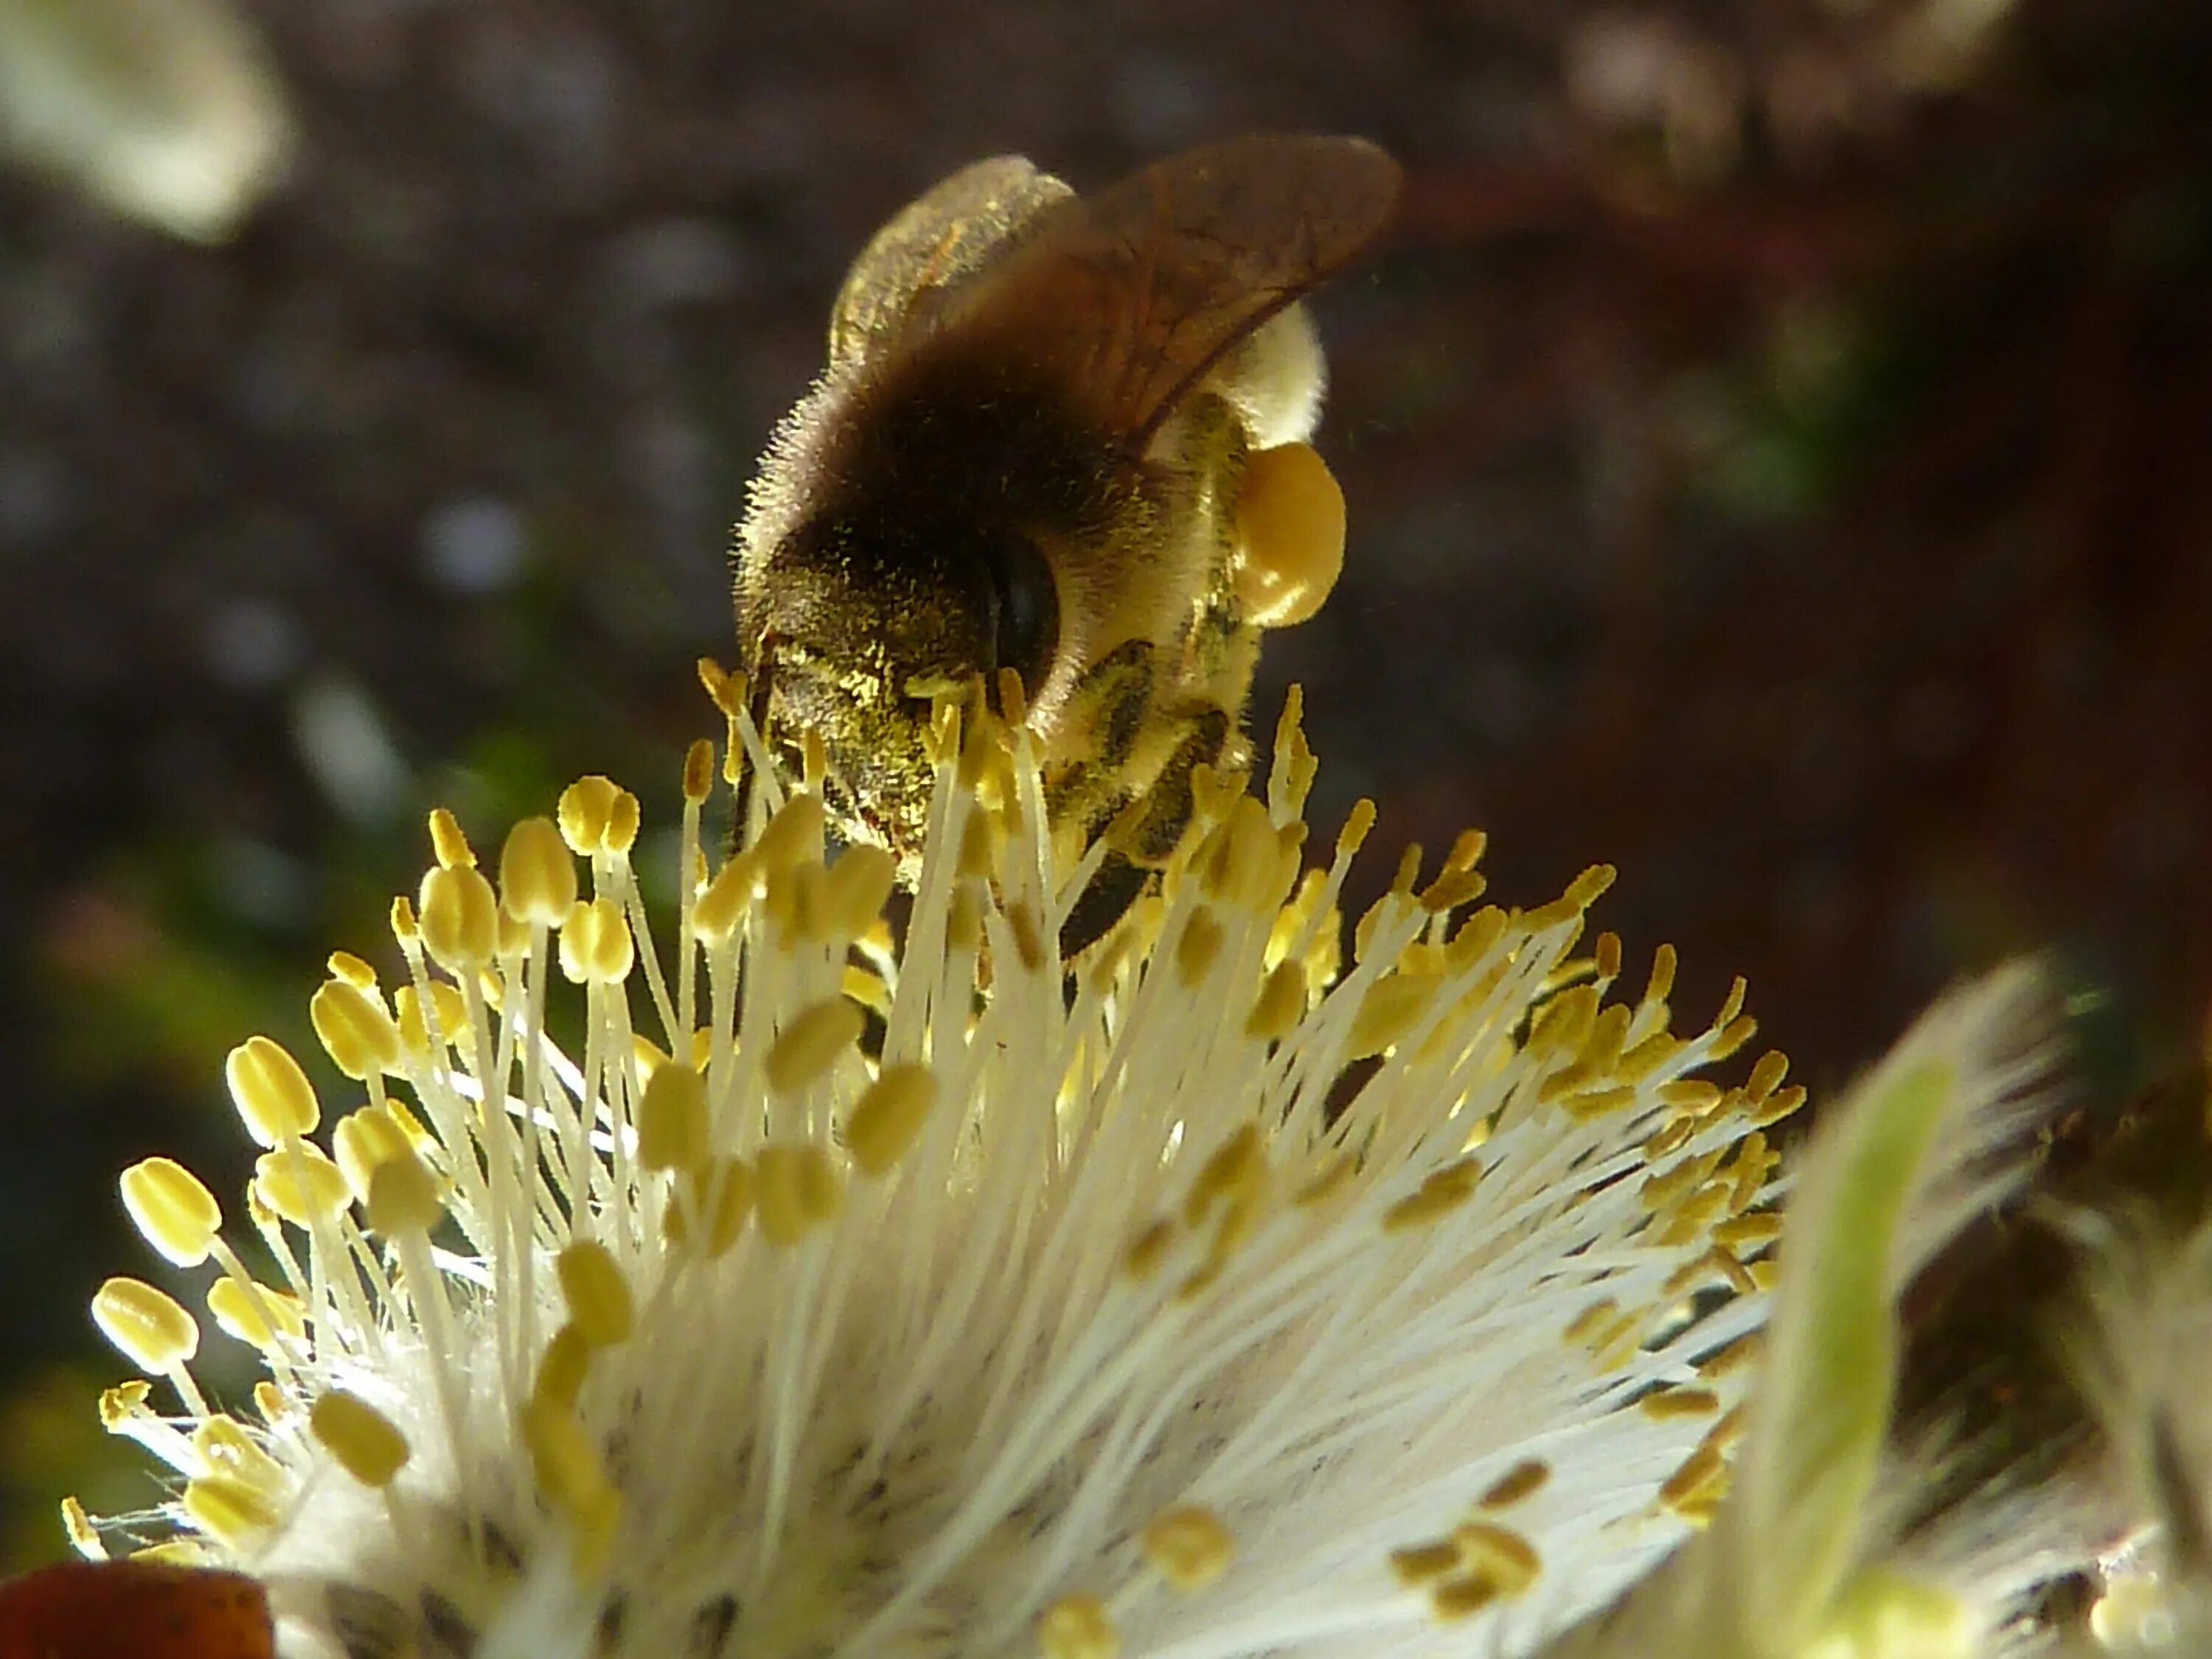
x=1209 y=736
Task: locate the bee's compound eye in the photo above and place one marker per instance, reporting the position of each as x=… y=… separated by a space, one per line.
x=1028 y=606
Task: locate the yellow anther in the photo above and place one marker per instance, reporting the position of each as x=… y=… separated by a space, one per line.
x=585 y=812
x=154 y=1333
x=404 y=926
x=270 y=1091
x=124 y=1404
x=569 y=1468
x=176 y=1214
x=362 y=1140
x=811 y=1042
x=1290 y=520
x=889 y=1116
x=796 y=1188
x=794 y=900
x=536 y=873
x=1670 y=1405
x=624 y=817
x=83 y=1536
x=1148 y=1249
x=1197 y=945
x=671 y=1118
x=1281 y=1005
x=344 y=965
x=1524 y=1480
x=1078 y=1627
x=1693 y=1097
x=356 y=1033
x=447 y=843
x=597 y=1292
x=964 y=920
x=1334 y=1175
x=1766 y=1076
x=1778 y=1105
x=460 y=919
x=1233 y=1168
x=721 y=1190
x=301 y=1184
x=1757 y=1228
x=1394 y=1005
x=717 y=681
x=1028 y=929
x=698 y=771
x=562 y=1369
x=1462 y=1597
x=446 y=1003
x=365 y=1442
x=1013 y=700
x=260 y=1315
x=1442 y=1192
x=1357 y=825
x=1703 y=1468
x=225 y=1447
x=1733 y=1036
x=793 y=834
x=722 y=906
x=403 y=1198
x=596 y=947
x=1189 y=1546
x=866 y=986
x=1498 y=1553
x=860 y=883
x=974 y=863
x=813 y=760
x=232 y=1512
x=1423 y=1564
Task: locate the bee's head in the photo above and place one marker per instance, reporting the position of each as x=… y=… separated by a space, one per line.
x=861 y=626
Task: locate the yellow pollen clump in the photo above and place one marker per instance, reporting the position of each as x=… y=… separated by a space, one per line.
x=1079 y=1627
x=889 y=1116
x=270 y=1091
x=367 y=1444
x=355 y=1032
x=597 y=1292
x=257 y=1315
x=460 y=919
x=672 y=1118
x=301 y=1184
x=796 y=1190
x=176 y=1214
x=596 y=947
x=1189 y=1546
x=153 y=1332
x=811 y=1042
x=536 y=874
x=1290 y=520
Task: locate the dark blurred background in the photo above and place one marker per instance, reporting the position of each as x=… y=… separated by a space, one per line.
x=1778 y=440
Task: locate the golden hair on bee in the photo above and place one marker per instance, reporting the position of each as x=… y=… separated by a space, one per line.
x=1063 y=435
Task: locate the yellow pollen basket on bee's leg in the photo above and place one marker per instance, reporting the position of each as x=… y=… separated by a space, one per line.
x=1290 y=517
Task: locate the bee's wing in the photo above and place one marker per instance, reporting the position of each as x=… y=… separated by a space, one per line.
x=931 y=246
x=1131 y=295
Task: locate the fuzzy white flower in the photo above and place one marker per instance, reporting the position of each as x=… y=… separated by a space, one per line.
x=1221 y=1299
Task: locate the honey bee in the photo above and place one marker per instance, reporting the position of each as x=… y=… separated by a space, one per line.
x=1059 y=434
